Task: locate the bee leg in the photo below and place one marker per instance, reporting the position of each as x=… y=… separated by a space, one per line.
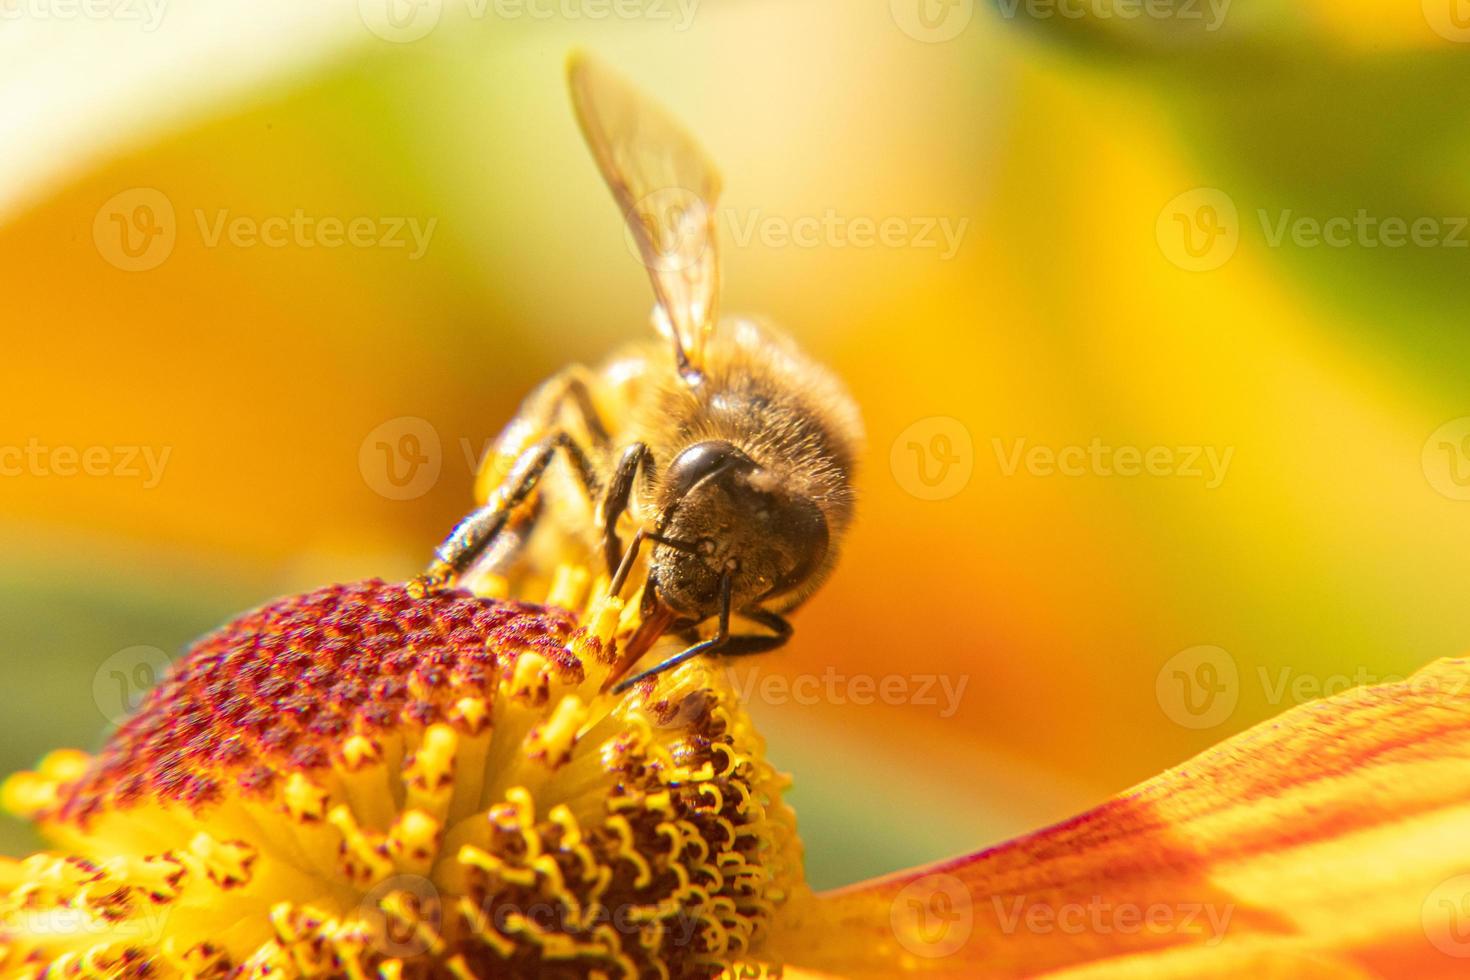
x=575 y=388
x=625 y=565
x=615 y=503
x=472 y=535
x=620 y=574
x=721 y=637
x=780 y=627
x=723 y=642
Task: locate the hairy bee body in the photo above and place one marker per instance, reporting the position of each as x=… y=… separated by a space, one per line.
x=714 y=468
x=760 y=393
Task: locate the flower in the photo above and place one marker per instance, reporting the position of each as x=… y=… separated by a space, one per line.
x=354 y=782
x=1332 y=841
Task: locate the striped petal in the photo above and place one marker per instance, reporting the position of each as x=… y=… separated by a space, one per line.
x=1333 y=841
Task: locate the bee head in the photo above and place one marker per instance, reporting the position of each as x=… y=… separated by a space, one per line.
x=728 y=514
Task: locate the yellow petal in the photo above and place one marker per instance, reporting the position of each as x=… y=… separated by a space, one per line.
x=1332 y=841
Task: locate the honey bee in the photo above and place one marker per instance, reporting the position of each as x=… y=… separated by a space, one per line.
x=721 y=448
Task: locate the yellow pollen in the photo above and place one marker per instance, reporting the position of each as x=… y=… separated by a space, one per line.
x=376 y=785
x=552 y=740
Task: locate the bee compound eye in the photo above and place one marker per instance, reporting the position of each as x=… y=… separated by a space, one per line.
x=701 y=461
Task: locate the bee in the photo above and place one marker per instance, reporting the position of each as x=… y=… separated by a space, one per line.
x=721 y=448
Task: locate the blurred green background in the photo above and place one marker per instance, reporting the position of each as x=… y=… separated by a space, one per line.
x=1134 y=275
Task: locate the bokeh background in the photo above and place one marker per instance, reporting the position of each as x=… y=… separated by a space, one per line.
x=1133 y=189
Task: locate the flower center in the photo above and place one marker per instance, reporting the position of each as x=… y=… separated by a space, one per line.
x=353 y=781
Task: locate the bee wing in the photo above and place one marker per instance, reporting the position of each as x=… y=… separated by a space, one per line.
x=667 y=189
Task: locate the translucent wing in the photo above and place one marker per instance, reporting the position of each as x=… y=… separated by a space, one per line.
x=667 y=189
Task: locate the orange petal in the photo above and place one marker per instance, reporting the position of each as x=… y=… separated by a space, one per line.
x=1333 y=841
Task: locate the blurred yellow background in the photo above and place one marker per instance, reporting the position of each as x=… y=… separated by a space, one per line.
x=1132 y=284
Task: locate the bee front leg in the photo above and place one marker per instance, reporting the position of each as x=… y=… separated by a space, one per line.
x=472 y=535
x=780 y=627
x=635 y=458
x=723 y=642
